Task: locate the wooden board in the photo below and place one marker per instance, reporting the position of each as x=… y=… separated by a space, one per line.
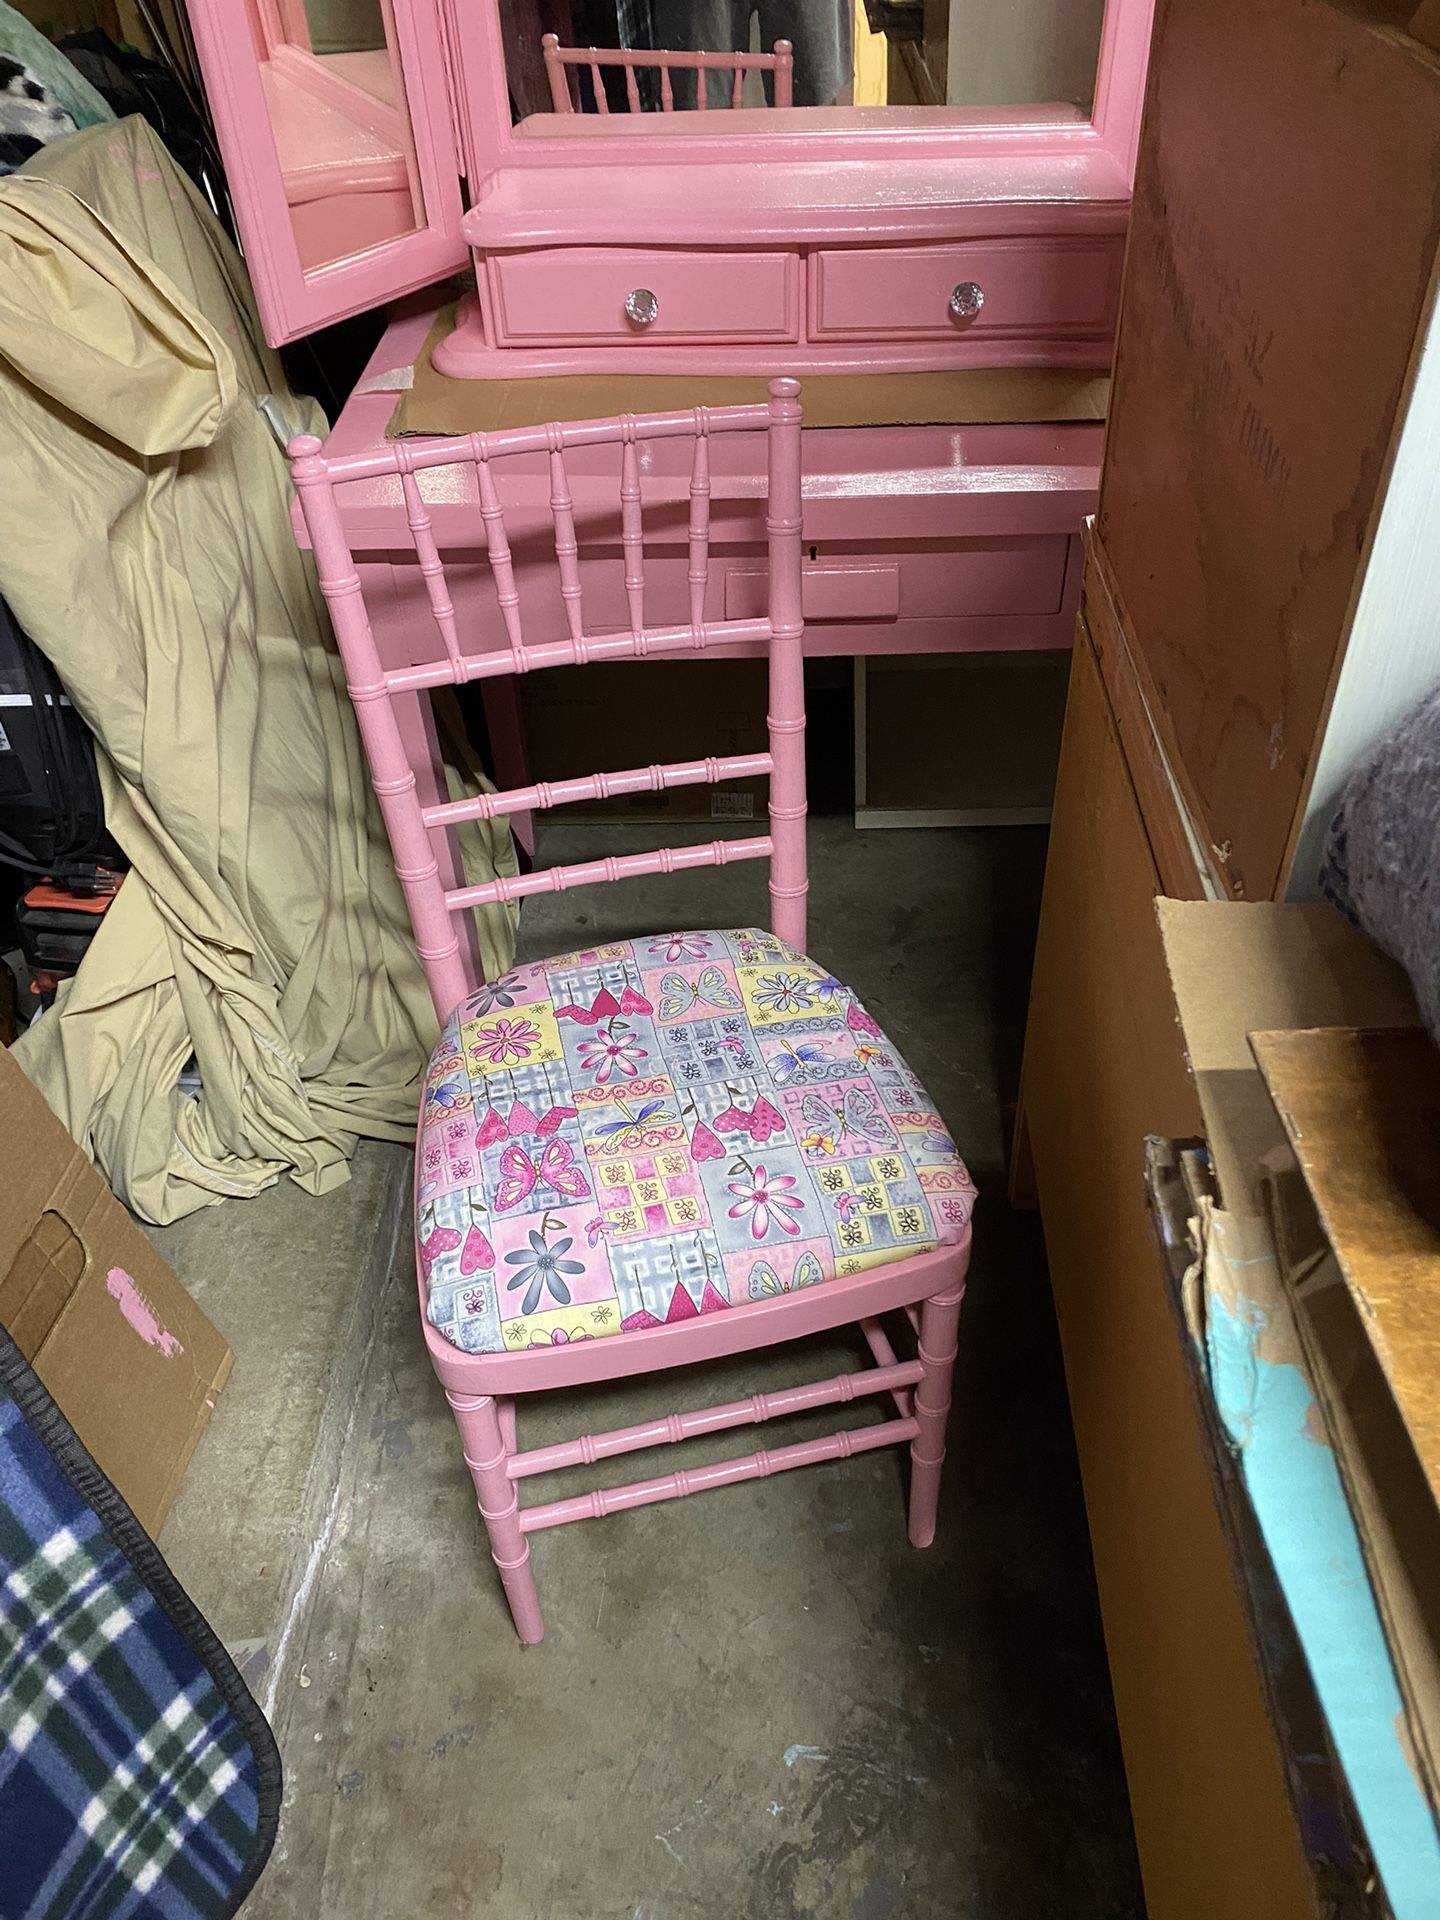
x=1361 y=1110
x=1285 y=226
x=1104 y=1067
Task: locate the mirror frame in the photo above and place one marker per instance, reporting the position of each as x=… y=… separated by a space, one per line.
x=293 y=302
x=779 y=136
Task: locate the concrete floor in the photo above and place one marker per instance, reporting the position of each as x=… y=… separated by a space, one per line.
x=763 y=1705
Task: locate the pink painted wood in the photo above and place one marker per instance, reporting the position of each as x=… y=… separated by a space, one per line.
x=376 y=254
x=433 y=906
x=481 y=1388
x=918 y=540
x=780 y=62
x=902 y=175
x=1049 y=134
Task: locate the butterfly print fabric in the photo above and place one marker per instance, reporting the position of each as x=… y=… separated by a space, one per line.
x=658 y=1128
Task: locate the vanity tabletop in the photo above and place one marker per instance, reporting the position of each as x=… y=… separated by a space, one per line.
x=936 y=482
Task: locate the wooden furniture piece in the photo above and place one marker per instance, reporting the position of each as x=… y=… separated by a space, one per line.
x=1288 y=1380
x=856 y=241
x=917 y=540
x=1104 y=1067
x=1267 y=514
x=783 y=1172
x=864 y=238
x=1258 y=603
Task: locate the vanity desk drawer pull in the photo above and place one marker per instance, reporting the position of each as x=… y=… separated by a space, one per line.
x=557 y=295
x=980 y=290
x=967 y=300
x=642 y=307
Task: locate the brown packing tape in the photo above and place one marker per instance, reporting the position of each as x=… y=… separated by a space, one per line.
x=973 y=397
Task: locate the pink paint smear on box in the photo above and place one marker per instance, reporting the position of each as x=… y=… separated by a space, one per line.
x=139 y=1314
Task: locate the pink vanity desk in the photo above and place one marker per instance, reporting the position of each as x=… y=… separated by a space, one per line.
x=917 y=540
x=818 y=240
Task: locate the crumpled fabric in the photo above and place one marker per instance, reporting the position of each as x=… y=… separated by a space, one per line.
x=1382 y=860
x=67 y=87
x=148 y=551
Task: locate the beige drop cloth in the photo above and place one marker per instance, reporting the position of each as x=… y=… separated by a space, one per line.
x=147 y=549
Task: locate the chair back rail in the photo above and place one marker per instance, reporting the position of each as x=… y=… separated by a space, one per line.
x=780 y=63
x=374 y=688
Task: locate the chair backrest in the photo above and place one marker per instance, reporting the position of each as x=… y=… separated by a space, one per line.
x=780 y=64
x=373 y=686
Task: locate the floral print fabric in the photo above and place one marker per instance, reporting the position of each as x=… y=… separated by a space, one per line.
x=641 y=1132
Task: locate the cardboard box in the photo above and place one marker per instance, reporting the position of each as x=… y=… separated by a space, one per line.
x=958 y=739
x=132 y=1362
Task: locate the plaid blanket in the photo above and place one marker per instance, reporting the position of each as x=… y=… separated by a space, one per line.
x=138 y=1779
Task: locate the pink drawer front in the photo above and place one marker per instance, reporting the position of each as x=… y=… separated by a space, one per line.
x=561 y=294
x=828 y=592
x=964 y=578
x=1034 y=286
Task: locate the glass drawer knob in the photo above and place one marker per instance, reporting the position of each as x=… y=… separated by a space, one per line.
x=967 y=300
x=642 y=307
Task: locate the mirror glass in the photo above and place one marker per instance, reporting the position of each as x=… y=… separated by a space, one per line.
x=331 y=75
x=984 y=58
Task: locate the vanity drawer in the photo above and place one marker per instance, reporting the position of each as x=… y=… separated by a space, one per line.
x=563 y=294
x=998 y=576
x=1036 y=286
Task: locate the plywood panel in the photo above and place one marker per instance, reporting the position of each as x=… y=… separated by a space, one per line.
x=1287 y=212
x=1104 y=1067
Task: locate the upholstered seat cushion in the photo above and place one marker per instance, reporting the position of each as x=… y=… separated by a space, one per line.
x=665 y=1127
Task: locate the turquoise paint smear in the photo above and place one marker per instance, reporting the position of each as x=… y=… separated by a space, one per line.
x=1299 y=1500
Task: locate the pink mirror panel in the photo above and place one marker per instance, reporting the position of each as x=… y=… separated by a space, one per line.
x=334 y=123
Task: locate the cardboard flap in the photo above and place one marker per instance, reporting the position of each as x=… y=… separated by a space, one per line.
x=969 y=396
x=1236 y=967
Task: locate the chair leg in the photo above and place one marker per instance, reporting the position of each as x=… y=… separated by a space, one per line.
x=478 y=1418
x=939 y=1319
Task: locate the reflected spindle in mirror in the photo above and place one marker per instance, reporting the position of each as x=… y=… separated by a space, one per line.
x=336 y=102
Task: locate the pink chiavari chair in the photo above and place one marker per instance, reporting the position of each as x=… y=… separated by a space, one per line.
x=780 y=64
x=482 y=1111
